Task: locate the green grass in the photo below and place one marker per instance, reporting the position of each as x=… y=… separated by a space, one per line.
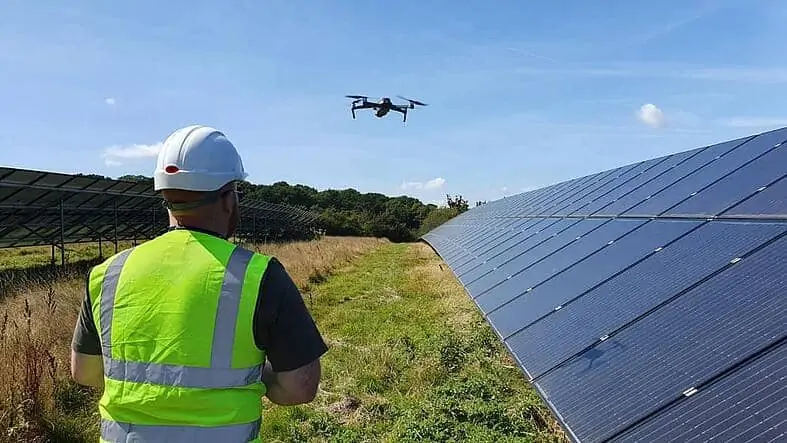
x=410 y=360
x=30 y=256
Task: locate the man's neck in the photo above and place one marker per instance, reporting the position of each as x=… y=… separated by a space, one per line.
x=196 y=229
x=195 y=224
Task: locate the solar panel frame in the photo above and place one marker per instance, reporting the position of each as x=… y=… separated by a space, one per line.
x=35 y=204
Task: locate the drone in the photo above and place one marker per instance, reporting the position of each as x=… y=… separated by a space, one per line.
x=384 y=106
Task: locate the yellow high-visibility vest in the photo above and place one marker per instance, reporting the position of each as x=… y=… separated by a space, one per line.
x=174 y=317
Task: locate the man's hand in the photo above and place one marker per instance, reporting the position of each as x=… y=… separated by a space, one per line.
x=87 y=369
x=294 y=387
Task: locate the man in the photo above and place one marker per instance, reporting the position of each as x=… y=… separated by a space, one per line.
x=185 y=333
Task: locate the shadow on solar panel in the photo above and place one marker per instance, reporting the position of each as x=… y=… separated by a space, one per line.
x=646 y=302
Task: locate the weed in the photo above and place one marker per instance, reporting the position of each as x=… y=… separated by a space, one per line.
x=452 y=353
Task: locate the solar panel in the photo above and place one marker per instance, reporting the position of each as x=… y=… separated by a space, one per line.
x=646 y=302
x=45 y=208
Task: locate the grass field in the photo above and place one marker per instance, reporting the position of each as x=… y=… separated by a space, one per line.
x=410 y=358
x=16 y=258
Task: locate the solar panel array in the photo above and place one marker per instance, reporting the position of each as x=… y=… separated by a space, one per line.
x=45 y=208
x=646 y=302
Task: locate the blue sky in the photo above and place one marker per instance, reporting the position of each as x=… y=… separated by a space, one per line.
x=520 y=94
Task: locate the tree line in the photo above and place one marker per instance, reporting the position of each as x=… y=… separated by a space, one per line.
x=348 y=212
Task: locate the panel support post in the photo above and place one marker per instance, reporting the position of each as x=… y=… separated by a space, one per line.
x=62 y=235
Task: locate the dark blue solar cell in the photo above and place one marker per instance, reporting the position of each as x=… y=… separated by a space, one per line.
x=558 y=205
x=455 y=234
x=572 y=187
x=532 y=268
x=531 y=198
x=674 y=348
x=578 y=324
x=682 y=189
x=495 y=232
x=533 y=204
x=467 y=246
x=735 y=187
x=522 y=243
x=609 y=186
x=662 y=164
x=748 y=404
x=473 y=258
x=770 y=201
x=455 y=239
x=532 y=250
x=668 y=176
x=487 y=249
x=577 y=192
x=492 y=255
x=448 y=249
x=555 y=292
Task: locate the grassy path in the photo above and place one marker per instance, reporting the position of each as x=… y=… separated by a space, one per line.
x=411 y=359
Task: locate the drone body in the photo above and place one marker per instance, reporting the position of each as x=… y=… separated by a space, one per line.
x=383 y=107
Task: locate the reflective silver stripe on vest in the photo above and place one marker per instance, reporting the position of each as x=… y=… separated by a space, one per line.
x=182 y=376
x=108 y=290
x=227 y=310
x=126 y=432
x=220 y=373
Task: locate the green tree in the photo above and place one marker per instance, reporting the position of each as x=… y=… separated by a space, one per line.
x=458 y=203
x=347 y=211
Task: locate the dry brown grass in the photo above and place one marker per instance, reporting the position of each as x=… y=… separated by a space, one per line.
x=36 y=326
x=311 y=262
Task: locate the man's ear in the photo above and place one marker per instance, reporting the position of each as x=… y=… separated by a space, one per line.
x=228 y=202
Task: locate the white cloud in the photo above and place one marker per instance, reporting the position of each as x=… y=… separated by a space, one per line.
x=651 y=115
x=435 y=183
x=109 y=100
x=113 y=154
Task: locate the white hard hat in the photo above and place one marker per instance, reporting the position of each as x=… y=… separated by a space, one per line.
x=197 y=158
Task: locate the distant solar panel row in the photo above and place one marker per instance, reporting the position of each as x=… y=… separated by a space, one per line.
x=646 y=302
x=35 y=204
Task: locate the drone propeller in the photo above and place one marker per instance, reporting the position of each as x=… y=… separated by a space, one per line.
x=358 y=97
x=415 y=102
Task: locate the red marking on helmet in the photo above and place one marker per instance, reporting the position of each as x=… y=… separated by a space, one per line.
x=171 y=169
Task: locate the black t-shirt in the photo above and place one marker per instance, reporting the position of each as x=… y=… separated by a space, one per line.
x=283 y=326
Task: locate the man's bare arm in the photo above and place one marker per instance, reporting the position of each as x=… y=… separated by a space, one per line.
x=87 y=365
x=294 y=387
x=87 y=369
